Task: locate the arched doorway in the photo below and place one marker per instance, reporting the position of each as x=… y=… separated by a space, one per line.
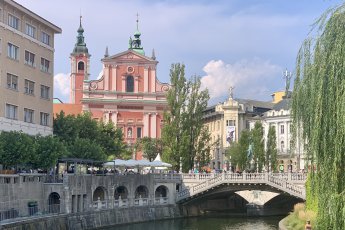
x=161 y=191
x=99 y=194
x=54 y=203
x=141 y=192
x=161 y=195
x=141 y=196
x=120 y=196
x=122 y=192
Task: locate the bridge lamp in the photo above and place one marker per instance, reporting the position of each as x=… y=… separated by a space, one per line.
x=230 y=164
x=257 y=165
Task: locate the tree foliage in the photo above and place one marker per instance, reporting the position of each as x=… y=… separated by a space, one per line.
x=257 y=139
x=150 y=147
x=17 y=149
x=318 y=109
x=271 y=149
x=48 y=150
x=183 y=134
x=239 y=151
x=104 y=140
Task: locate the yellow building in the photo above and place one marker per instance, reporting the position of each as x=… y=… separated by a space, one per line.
x=26 y=70
x=226 y=121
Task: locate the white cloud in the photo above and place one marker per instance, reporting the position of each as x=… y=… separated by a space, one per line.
x=249 y=77
x=100 y=75
x=62 y=86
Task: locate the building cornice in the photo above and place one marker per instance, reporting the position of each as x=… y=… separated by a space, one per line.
x=6 y=27
x=112 y=92
x=122 y=101
x=55 y=28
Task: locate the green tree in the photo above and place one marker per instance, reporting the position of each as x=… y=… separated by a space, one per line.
x=257 y=139
x=48 y=150
x=239 y=151
x=86 y=149
x=74 y=130
x=318 y=110
x=18 y=149
x=271 y=149
x=243 y=142
x=183 y=134
x=174 y=135
x=64 y=127
x=149 y=147
x=199 y=137
x=110 y=139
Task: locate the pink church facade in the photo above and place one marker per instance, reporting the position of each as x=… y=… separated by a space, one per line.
x=128 y=93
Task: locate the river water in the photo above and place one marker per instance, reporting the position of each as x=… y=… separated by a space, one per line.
x=207 y=223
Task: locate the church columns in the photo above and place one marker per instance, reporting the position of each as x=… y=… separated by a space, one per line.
x=153 y=80
x=123 y=84
x=146 y=124
x=106 y=77
x=106 y=117
x=114 y=117
x=146 y=79
x=114 y=77
x=110 y=116
x=136 y=84
x=153 y=125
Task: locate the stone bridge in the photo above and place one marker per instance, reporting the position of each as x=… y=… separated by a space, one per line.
x=196 y=185
x=38 y=194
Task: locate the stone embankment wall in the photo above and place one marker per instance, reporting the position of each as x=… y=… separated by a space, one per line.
x=97 y=219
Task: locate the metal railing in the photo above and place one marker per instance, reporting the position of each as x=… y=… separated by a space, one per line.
x=15 y=214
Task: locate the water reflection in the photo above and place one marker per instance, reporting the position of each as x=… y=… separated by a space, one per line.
x=207 y=223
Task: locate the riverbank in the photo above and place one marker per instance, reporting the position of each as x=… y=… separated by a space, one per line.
x=96 y=219
x=298 y=218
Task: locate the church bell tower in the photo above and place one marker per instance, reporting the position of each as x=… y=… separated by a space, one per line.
x=80 y=67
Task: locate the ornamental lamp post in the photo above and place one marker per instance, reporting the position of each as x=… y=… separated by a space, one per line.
x=257 y=165
x=230 y=165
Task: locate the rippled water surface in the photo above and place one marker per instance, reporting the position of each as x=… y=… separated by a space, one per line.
x=207 y=223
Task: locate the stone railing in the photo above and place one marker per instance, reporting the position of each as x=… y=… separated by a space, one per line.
x=213 y=180
x=123 y=203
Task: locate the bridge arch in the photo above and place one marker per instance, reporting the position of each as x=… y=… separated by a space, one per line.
x=121 y=191
x=141 y=192
x=161 y=191
x=100 y=192
x=54 y=202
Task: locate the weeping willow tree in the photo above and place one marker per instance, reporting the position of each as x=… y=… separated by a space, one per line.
x=319 y=113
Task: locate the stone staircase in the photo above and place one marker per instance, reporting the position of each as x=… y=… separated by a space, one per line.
x=293 y=185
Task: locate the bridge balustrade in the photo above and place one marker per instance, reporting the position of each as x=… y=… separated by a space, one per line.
x=169 y=176
x=141 y=202
x=283 y=182
x=100 y=204
x=161 y=200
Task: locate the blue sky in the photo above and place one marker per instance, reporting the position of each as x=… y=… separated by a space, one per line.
x=245 y=44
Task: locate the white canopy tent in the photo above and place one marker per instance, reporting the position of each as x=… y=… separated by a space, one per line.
x=157 y=163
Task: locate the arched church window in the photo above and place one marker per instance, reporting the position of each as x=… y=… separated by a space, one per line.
x=80 y=65
x=130 y=84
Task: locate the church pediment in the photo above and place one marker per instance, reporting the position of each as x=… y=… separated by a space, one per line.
x=128 y=56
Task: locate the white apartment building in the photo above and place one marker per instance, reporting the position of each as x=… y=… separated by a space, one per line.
x=290 y=157
x=26 y=70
